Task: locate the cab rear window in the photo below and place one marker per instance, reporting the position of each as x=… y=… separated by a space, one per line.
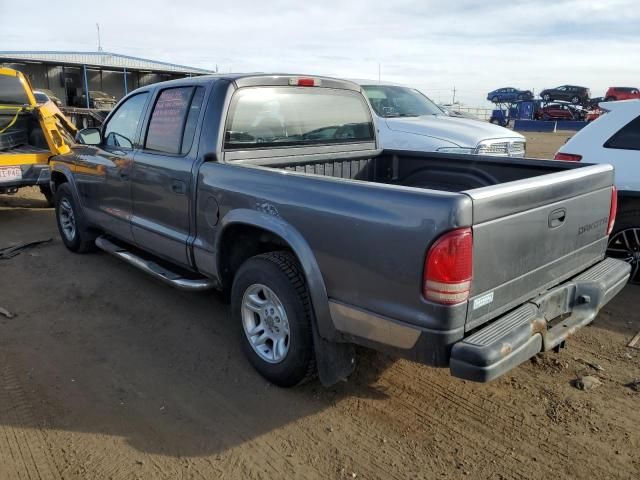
x=264 y=117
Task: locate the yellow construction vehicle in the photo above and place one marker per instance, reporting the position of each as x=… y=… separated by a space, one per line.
x=30 y=134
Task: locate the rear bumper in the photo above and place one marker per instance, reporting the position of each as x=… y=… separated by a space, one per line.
x=32 y=174
x=538 y=325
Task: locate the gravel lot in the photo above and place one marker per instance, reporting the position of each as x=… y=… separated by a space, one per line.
x=106 y=373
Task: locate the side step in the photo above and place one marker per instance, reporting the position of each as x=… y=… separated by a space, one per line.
x=153 y=269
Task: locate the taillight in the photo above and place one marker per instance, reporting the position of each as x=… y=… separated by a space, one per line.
x=613 y=210
x=304 y=82
x=448 y=268
x=567 y=157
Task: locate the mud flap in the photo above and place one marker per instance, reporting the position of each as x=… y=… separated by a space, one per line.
x=335 y=361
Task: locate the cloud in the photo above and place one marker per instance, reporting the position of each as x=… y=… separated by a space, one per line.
x=474 y=46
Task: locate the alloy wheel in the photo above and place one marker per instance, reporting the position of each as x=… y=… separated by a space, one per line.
x=625 y=245
x=67 y=219
x=265 y=323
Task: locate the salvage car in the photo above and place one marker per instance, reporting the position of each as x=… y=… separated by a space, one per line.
x=614 y=138
x=569 y=93
x=30 y=134
x=406 y=119
x=509 y=94
x=622 y=93
x=273 y=188
x=557 y=111
x=98 y=100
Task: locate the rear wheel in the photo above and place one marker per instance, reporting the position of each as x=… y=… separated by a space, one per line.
x=624 y=242
x=75 y=236
x=269 y=299
x=610 y=99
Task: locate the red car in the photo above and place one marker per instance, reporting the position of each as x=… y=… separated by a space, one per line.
x=556 y=111
x=622 y=93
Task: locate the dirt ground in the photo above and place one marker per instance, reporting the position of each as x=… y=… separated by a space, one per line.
x=107 y=374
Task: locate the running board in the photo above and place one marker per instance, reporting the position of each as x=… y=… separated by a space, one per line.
x=153 y=269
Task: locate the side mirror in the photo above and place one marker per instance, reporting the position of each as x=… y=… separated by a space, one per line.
x=89 y=136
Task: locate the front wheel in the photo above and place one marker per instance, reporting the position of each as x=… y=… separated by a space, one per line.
x=575 y=100
x=269 y=299
x=75 y=236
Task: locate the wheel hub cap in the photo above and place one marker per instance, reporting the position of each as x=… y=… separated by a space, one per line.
x=265 y=323
x=67 y=219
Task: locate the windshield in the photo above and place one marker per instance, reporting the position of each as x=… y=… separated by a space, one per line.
x=262 y=117
x=11 y=91
x=391 y=101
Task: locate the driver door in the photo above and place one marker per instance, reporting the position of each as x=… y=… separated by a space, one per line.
x=103 y=172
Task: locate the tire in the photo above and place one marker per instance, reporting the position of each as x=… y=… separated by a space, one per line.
x=75 y=236
x=610 y=99
x=495 y=99
x=274 y=281
x=48 y=195
x=624 y=241
x=575 y=100
x=546 y=97
x=520 y=97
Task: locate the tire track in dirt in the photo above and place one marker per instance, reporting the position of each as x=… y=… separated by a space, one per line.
x=24 y=451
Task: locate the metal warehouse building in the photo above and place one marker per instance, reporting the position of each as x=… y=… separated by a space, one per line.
x=70 y=74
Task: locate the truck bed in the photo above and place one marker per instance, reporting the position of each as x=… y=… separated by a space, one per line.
x=444 y=172
x=520 y=248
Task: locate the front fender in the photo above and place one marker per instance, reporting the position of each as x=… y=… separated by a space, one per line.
x=278 y=226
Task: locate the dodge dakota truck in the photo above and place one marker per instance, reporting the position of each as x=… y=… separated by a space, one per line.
x=272 y=188
x=30 y=133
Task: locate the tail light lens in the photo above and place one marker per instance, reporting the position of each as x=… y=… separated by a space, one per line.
x=613 y=210
x=448 y=268
x=568 y=157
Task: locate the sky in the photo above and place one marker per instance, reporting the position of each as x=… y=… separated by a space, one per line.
x=436 y=46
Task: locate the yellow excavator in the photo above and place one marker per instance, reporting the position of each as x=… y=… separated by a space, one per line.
x=30 y=134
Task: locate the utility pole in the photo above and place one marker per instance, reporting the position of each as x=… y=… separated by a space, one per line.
x=454 y=96
x=379 y=69
x=99 y=44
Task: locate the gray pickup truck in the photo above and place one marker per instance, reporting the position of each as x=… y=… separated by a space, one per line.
x=272 y=188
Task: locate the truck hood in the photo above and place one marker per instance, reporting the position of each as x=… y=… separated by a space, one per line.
x=464 y=132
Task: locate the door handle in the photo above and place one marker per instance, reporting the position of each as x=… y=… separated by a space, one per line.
x=557 y=217
x=178 y=187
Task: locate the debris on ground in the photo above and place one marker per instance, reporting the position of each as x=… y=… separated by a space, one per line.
x=595 y=366
x=635 y=341
x=587 y=383
x=6 y=313
x=634 y=385
x=10 y=252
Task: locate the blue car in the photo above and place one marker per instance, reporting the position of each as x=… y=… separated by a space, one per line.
x=509 y=94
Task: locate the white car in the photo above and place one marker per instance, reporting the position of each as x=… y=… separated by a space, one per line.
x=614 y=138
x=407 y=120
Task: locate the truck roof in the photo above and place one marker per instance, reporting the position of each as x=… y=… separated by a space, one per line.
x=264 y=79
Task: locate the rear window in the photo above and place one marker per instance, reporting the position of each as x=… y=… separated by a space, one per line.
x=627 y=138
x=11 y=91
x=263 y=117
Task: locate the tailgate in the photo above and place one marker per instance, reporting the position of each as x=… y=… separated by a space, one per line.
x=532 y=234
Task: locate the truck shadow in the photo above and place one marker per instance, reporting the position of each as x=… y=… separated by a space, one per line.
x=103 y=349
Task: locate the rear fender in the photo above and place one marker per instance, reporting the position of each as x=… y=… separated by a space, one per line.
x=276 y=225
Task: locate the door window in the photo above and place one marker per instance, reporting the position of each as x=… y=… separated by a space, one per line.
x=121 y=129
x=627 y=138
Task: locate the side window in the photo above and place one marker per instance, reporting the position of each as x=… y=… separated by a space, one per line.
x=122 y=127
x=173 y=120
x=627 y=138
